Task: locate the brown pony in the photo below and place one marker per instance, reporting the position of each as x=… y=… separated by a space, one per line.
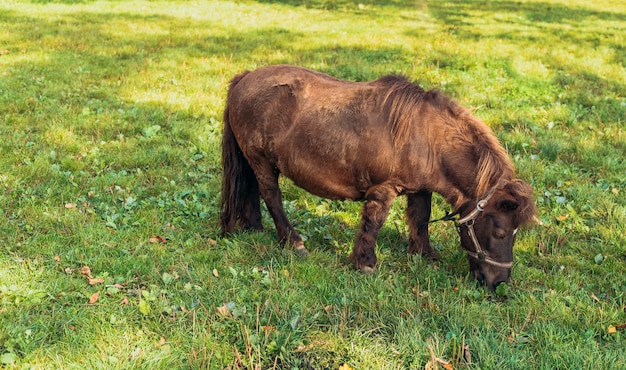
x=369 y=141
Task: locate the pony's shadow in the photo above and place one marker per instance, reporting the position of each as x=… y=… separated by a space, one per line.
x=329 y=228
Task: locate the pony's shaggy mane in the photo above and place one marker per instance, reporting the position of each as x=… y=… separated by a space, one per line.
x=470 y=134
x=493 y=163
x=400 y=101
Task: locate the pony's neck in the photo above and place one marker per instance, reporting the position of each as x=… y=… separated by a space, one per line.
x=473 y=167
x=470 y=159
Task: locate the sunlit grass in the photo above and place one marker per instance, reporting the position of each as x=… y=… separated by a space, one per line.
x=110 y=118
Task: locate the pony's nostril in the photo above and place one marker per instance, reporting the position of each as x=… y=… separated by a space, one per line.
x=480 y=277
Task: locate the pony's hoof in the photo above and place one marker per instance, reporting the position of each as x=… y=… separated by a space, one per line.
x=367 y=270
x=429 y=254
x=433 y=257
x=300 y=250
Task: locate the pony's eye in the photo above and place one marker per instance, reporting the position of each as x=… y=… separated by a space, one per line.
x=499 y=233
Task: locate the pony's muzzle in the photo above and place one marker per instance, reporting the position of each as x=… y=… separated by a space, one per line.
x=491 y=278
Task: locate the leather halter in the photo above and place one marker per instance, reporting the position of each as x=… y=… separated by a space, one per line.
x=468 y=221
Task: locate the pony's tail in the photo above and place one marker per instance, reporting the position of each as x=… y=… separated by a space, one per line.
x=238 y=181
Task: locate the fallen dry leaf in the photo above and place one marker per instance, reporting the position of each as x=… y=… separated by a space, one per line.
x=94 y=298
x=94 y=281
x=562 y=217
x=345 y=367
x=124 y=301
x=467 y=354
x=303 y=348
x=612 y=329
x=57 y=258
x=157 y=239
x=268 y=329
x=436 y=362
x=70 y=205
x=223 y=310
x=85 y=270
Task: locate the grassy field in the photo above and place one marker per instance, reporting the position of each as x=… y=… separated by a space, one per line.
x=110 y=125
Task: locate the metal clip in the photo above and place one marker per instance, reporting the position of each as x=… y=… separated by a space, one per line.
x=480 y=206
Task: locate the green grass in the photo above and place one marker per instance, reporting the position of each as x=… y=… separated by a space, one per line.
x=110 y=121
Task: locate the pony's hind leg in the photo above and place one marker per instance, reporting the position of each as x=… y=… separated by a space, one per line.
x=251 y=213
x=267 y=177
x=375 y=211
x=418 y=215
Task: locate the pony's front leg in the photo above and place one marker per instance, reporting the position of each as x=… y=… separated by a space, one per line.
x=418 y=214
x=375 y=210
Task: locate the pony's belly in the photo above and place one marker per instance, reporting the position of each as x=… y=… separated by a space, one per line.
x=327 y=188
x=331 y=178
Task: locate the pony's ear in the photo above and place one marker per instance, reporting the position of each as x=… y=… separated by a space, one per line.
x=523 y=195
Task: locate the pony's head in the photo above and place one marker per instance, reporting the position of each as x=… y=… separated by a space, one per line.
x=487 y=230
